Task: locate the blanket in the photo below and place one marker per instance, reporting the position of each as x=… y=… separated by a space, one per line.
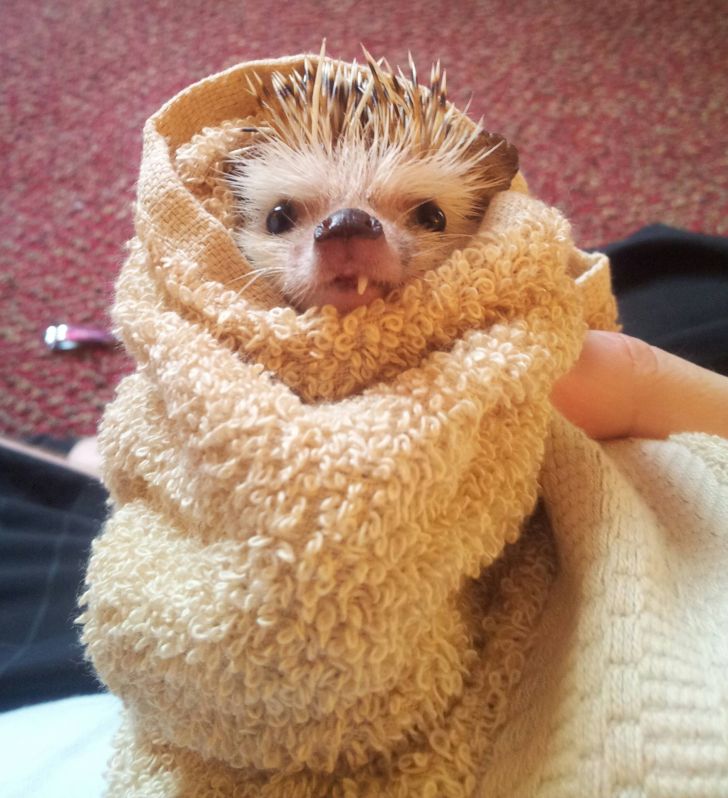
x=360 y=555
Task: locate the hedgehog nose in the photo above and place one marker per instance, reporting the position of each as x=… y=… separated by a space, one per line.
x=347 y=223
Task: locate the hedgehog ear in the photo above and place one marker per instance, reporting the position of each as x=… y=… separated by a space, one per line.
x=500 y=164
x=246 y=139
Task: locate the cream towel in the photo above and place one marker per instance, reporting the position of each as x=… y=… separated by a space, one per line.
x=327 y=571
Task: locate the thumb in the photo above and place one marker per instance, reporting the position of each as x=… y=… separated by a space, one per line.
x=623 y=387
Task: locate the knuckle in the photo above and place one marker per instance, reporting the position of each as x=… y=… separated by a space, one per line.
x=643 y=359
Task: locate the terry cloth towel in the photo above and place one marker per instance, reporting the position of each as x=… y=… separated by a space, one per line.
x=360 y=555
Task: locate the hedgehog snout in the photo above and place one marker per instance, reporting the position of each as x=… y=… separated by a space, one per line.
x=348 y=223
x=353 y=258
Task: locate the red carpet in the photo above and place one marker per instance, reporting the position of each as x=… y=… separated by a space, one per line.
x=619 y=110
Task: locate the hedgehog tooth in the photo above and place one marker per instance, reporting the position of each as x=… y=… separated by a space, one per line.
x=361 y=284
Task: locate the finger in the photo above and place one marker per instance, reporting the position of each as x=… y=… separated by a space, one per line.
x=622 y=387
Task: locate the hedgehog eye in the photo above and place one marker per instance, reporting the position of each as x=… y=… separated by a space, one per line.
x=282 y=218
x=431 y=216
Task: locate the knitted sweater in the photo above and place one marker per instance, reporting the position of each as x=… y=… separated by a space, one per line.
x=360 y=555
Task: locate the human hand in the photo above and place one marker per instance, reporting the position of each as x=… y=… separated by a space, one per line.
x=622 y=387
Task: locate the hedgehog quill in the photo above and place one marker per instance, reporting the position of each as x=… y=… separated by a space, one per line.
x=359 y=179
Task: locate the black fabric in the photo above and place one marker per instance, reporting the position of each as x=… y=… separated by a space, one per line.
x=48 y=517
x=60 y=446
x=672 y=289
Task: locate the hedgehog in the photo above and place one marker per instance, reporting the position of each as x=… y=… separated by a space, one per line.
x=356 y=180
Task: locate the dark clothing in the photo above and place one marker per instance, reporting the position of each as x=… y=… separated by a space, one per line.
x=48 y=517
x=672 y=289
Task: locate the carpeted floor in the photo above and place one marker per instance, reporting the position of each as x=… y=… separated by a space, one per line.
x=619 y=110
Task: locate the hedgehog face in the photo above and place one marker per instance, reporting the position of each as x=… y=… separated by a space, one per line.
x=340 y=206
x=345 y=228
